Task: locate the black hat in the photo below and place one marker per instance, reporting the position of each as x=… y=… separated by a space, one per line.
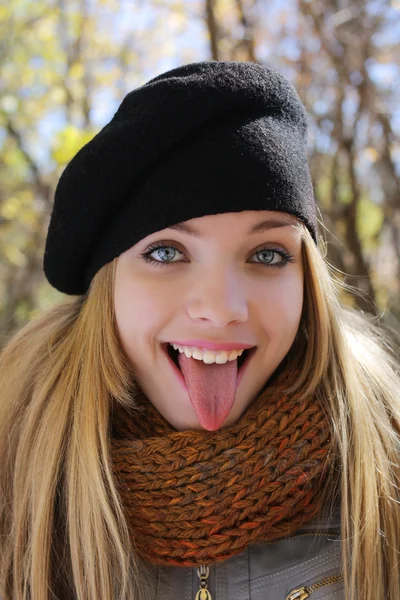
x=205 y=138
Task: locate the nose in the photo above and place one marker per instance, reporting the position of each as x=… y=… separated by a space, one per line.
x=218 y=298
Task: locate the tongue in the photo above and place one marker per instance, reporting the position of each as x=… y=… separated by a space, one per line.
x=212 y=389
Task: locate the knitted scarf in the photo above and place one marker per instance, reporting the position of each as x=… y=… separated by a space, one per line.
x=197 y=497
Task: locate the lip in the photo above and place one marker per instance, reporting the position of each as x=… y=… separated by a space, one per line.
x=214 y=345
x=181 y=379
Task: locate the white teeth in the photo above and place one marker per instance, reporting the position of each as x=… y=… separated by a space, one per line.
x=221 y=358
x=208 y=356
x=197 y=354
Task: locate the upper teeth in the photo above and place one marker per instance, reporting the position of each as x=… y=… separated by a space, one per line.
x=208 y=356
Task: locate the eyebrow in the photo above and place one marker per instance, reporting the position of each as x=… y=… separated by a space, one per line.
x=258 y=228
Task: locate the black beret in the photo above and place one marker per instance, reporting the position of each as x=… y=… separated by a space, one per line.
x=205 y=138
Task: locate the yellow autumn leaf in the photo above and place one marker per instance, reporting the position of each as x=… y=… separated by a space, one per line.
x=369 y=219
x=20 y=207
x=46 y=31
x=10 y=208
x=48 y=76
x=77 y=70
x=4 y=13
x=27 y=77
x=371 y=154
x=67 y=143
x=14 y=256
x=57 y=95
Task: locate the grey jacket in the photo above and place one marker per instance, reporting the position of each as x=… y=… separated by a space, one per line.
x=305 y=565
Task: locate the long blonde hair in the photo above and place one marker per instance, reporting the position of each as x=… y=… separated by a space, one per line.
x=62 y=528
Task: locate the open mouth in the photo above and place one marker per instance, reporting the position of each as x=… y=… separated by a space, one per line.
x=173 y=354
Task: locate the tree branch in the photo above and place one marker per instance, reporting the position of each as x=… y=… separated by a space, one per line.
x=212 y=25
x=43 y=189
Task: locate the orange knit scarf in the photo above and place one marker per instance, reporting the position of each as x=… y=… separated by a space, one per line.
x=197 y=497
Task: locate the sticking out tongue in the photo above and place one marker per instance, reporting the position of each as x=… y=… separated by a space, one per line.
x=212 y=389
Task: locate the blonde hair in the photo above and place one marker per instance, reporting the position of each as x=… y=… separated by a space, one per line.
x=62 y=526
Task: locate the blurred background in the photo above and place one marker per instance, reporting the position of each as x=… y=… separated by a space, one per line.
x=65 y=66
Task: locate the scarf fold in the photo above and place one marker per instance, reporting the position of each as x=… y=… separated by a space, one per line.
x=197 y=497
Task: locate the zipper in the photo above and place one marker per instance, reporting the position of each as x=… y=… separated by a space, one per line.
x=203 y=572
x=304 y=592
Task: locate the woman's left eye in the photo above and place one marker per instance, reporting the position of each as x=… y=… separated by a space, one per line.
x=168 y=252
x=269 y=253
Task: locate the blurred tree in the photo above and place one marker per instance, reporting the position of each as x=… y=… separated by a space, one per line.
x=56 y=64
x=362 y=205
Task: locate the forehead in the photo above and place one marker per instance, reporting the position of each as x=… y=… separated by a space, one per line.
x=246 y=222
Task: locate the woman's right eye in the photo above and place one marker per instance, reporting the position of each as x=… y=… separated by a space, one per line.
x=166 y=254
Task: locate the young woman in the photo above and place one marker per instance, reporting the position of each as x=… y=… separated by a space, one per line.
x=202 y=419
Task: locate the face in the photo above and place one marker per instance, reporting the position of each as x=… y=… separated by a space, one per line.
x=217 y=279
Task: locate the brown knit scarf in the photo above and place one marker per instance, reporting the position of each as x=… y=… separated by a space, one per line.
x=196 y=497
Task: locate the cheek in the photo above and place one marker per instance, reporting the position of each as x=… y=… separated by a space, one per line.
x=141 y=307
x=281 y=306
x=135 y=309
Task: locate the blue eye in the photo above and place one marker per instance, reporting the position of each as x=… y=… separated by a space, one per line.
x=268 y=255
x=165 y=251
x=168 y=252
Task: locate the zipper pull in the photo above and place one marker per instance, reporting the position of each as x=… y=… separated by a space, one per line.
x=203 y=594
x=299 y=594
x=304 y=592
